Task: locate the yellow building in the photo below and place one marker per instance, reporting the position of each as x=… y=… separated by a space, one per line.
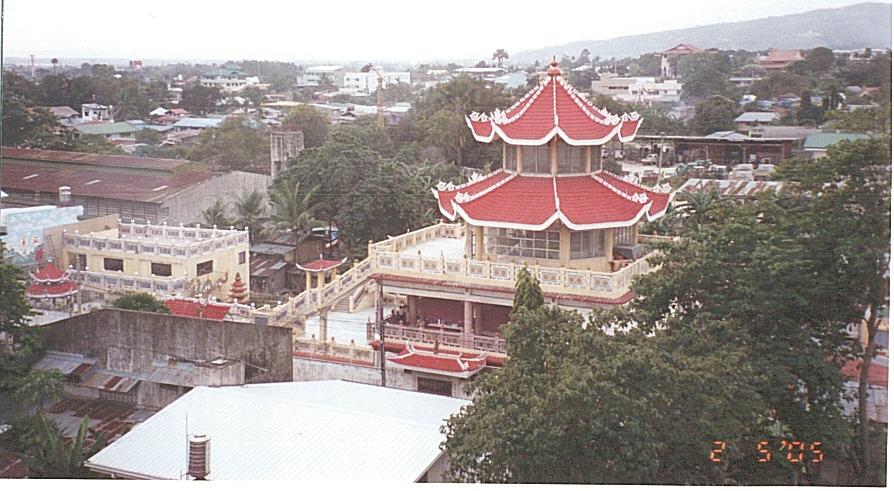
x=157 y=259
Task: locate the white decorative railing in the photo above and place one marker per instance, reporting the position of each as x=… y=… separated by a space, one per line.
x=446 y=339
x=159 y=240
x=386 y=257
x=126 y=283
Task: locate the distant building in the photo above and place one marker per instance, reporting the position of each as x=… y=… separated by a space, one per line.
x=817 y=144
x=64 y=114
x=667 y=69
x=96 y=112
x=748 y=120
x=228 y=78
x=285 y=143
x=138 y=188
x=368 y=82
x=741 y=82
x=726 y=148
x=197 y=123
x=481 y=73
x=512 y=80
x=779 y=59
x=313 y=76
x=118 y=133
x=639 y=90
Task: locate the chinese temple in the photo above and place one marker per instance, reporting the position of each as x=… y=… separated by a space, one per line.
x=50 y=283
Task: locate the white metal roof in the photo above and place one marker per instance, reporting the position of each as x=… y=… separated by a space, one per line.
x=331 y=430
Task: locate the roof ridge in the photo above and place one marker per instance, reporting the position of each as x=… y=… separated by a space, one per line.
x=636 y=198
x=465 y=197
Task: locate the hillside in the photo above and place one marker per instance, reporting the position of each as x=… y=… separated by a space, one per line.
x=852 y=27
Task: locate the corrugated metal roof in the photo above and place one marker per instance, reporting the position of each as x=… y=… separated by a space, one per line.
x=124 y=161
x=332 y=430
x=726 y=187
x=111 y=381
x=760 y=117
x=67 y=363
x=105 y=128
x=198 y=123
x=823 y=140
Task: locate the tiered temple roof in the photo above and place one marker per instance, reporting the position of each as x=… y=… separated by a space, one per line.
x=50 y=282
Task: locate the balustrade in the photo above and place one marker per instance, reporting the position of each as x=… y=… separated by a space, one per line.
x=445 y=339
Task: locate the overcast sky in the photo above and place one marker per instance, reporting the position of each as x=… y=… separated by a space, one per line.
x=289 y=30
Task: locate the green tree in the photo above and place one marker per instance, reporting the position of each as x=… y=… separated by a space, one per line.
x=38 y=387
x=527 y=292
x=808 y=113
x=94 y=144
x=35 y=128
x=847 y=225
x=235 y=145
x=715 y=113
x=25 y=345
x=704 y=74
x=875 y=119
x=216 y=215
x=150 y=136
x=500 y=55
x=249 y=209
x=200 y=100
x=313 y=123
x=141 y=301
x=53 y=458
x=292 y=210
x=698 y=208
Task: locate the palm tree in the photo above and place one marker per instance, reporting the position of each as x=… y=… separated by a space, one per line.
x=216 y=215
x=54 y=61
x=54 y=458
x=698 y=207
x=293 y=211
x=500 y=55
x=249 y=210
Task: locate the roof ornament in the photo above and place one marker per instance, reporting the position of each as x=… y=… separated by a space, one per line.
x=554 y=68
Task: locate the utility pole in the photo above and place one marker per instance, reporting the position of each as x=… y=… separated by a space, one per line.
x=380 y=323
x=660 y=158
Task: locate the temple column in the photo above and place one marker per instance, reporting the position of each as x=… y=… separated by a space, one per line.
x=467 y=317
x=636 y=233
x=307 y=280
x=564 y=245
x=476 y=317
x=609 y=243
x=479 y=243
x=597 y=159
x=411 y=310
x=589 y=157
x=324 y=325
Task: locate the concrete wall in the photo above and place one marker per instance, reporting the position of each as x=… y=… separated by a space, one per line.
x=309 y=369
x=187 y=205
x=130 y=341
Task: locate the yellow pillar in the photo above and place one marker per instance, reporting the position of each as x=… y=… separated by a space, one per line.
x=589 y=157
x=597 y=164
x=307 y=280
x=518 y=159
x=564 y=244
x=479 y=243
x=554 y=156
x=609 y=243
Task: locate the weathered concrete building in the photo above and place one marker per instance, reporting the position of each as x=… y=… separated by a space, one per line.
x=150 y=359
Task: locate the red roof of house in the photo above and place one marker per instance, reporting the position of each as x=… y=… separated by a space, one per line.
x=321 y=265
x=878 y=373
x=681 y=49
x=192 y=308
x=444 y=363
x=178 y=111
x=553 y=108
x=588 y=202
x=49 y=273
x=51 y=290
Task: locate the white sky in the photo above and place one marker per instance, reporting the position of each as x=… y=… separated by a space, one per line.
x=376 y=30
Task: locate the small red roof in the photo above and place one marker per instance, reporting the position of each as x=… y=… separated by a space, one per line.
x=49 y=273
x=553 y=108
x=321 y=265
x=878 y=373
x=581 y=202
x=461 y=365
x=51 y=290
x=192 y=308
x=681 y=49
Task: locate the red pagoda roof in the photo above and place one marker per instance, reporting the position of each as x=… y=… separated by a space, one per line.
x=457 y=365
x=49 y=273
x=51 y=290
x=321 y=264
x=581 y=202
x=193 y=308
x=553 y=108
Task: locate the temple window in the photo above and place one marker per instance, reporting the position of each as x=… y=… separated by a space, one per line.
x=536 y=159
x=624 y=235
x=511 y=157
x=112 y=264
x=522 y=243
x=587 y=244
x=571 y=159
x=161 y=269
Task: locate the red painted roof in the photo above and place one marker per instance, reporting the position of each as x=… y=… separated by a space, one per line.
x=878 y=373
x=128 y=161
x=588 y=202
x=51 y=290
x=459 y=364
x=49 y=273
x=553 y=108
x=192 y=308
x=321 y=265
x=392 y=347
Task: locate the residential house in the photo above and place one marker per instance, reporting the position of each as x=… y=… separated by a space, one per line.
x=779 y=59
x=314 y=76
x=748 y=120
x=817 y=144
x=96 y=112
x=184 y=124
x=64 y=114
x=367 y=82
x=669 y=70
x=117 y=133
x=726 y=148
x=639 y=90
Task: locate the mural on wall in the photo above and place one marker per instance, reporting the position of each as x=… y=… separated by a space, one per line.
x=24 y=230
